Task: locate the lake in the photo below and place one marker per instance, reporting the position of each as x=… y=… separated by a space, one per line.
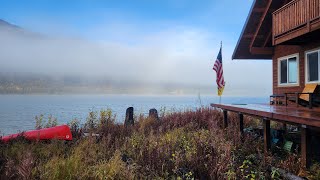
x=17 y=112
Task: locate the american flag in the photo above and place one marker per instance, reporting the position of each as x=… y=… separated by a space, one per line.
x=219 y=70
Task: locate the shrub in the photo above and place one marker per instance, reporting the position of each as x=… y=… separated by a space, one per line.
x=182 y=145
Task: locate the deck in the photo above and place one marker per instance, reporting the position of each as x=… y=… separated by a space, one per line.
x=306 y=119
x=291 y=115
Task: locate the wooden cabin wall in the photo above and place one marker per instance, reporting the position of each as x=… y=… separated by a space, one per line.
x=286 y=50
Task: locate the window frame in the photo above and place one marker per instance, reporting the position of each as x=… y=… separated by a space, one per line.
x=307 y=66
x=279 y=70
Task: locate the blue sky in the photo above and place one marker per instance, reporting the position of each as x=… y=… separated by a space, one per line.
x=79 y=16
x=181 y=37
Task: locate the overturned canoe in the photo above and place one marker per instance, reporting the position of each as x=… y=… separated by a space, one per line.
x=58 y=132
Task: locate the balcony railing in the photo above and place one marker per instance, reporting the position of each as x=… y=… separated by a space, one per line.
x=294 y=15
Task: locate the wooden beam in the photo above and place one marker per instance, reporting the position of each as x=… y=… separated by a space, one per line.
x=260 y=23
x=261 y=10
x=266 y=135
x=267 y=39
x=251 y=36
x=261 y=50
x=248 y=35
x=225 y=119
x=258 y=10
x=305 y=147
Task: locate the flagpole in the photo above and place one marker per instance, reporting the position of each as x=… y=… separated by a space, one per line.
x=221 y=58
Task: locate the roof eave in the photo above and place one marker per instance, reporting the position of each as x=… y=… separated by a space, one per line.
x=243 y=29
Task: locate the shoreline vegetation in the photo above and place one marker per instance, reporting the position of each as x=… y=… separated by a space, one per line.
x=37 y=83
x=181 y=145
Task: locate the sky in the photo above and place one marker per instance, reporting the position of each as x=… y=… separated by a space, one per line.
x=159 y=42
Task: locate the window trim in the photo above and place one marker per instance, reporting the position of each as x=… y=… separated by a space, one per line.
x=279 y=70
x=306 y=66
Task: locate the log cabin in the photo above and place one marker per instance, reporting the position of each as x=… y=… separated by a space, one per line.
x=287 y=32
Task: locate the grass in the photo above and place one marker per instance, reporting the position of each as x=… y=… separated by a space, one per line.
x=182 y=145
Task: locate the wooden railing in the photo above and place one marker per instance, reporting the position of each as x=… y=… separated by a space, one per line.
x=294 y=15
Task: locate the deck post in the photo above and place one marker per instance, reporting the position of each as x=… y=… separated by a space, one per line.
x=153 y=114
x=305 y=146
x=241 y=123
x=225 y=119
x=284 y=127
x=129 y=121
x=266 y=134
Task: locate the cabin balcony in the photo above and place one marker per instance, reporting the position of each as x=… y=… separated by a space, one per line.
x=295 y=19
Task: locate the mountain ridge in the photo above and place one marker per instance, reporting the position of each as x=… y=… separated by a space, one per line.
x=6 y=24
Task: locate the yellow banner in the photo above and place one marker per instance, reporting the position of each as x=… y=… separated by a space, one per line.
x=220 y=91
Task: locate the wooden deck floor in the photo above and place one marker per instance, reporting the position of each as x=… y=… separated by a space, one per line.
x=294 y=115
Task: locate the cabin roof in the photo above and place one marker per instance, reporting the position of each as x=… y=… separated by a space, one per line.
x=255 y=41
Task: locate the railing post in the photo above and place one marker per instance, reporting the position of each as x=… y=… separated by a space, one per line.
x=308 y=15
x=273 y=28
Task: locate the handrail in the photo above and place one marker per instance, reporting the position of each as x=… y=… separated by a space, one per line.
x=284 y=6
x=294 y=14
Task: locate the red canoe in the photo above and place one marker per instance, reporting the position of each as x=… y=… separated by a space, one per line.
x=58 y=132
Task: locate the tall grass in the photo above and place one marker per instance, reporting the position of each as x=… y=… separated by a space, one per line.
x=186 y=145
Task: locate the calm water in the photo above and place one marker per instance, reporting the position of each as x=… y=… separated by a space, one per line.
x=17 y=112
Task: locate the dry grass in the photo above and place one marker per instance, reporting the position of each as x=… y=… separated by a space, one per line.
x=187 y=145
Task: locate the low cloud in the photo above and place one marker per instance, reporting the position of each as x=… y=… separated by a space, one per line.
x=178 y=55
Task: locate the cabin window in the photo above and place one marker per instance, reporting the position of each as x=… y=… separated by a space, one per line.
x=313 y=66
x=288 y=70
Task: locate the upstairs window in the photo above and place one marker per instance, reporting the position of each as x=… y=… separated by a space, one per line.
x=288 y=70
x=313 y=61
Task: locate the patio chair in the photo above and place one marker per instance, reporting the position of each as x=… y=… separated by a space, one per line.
x=304 y=98
x=277 y=99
